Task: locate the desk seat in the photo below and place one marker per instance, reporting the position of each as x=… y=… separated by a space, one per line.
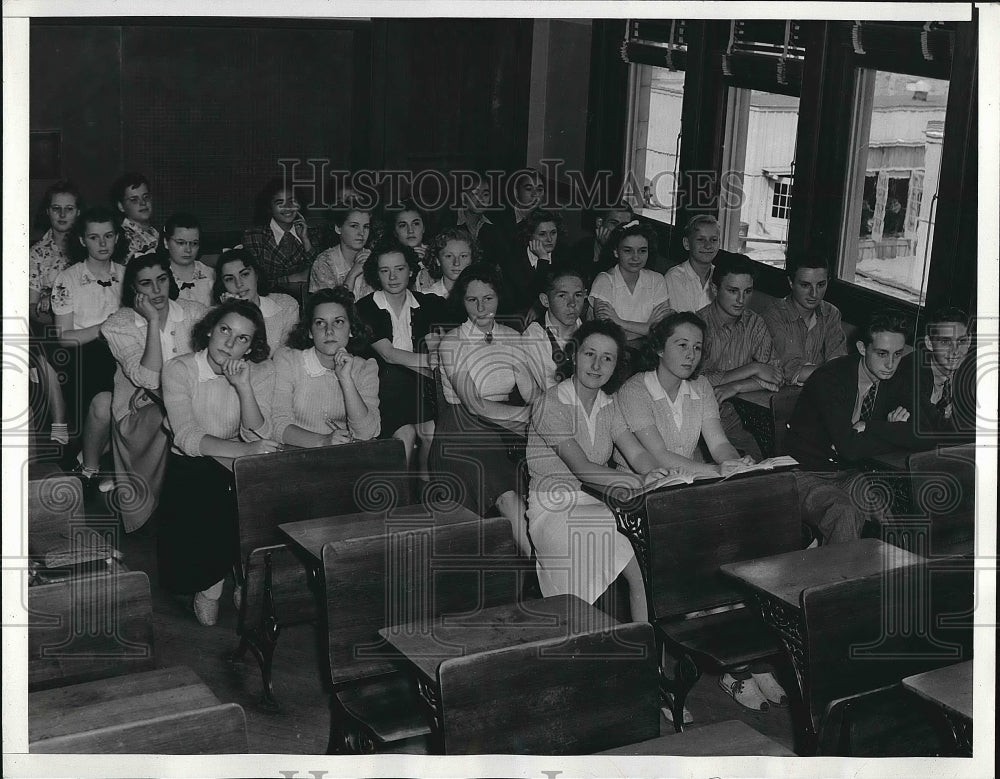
x=166 y=711
x=388 y=705
x=727 y=639
x=722 y=738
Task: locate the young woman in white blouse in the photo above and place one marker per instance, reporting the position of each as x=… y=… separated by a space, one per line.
x=324 y=393
x=238 y=276
x=84 y=295
x=182 y=242
x=218 y=402
x=152 y=326
x=574 y=427
x=482 y=363
x=631 y=295
x=400 y=321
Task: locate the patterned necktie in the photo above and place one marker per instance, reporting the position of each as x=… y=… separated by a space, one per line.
x=560 y=356
x=868 y=403
x=944 y=404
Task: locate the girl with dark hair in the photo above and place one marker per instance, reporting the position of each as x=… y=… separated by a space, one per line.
x=343 y=264
x=182 y=242
x=408 y=223
x=281 y=241
x=538 y=248
x=400 y=321
x=238 y=277
x=218 y=402
x=630 y=294
x=152 y=326
x=574 y=428
x=83 y=297
x=482 y=363
x=46 y=260
x=671 y=408
x=324 y=393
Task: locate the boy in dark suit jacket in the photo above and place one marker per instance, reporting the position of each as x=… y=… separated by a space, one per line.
x=850 y=409
x=942 y=377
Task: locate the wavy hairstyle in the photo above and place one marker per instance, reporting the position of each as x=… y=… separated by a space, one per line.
x=390 y=246
x=232 y=255
x=143 y=261
x=537 y=217
x=662 y=330
x=442 y=239
x=484 y=272
x=98 y=215
x=628 y=230
x=301 y=335
x=613 y=331
x=258 y=351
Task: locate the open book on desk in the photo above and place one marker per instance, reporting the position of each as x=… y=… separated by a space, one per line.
x=764 y=465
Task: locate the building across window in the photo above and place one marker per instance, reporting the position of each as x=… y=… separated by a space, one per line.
x=780 y=198
x=889 y=220
x=758 y=170
x=653 y=152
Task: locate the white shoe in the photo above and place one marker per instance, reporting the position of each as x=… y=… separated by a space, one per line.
x=744 y=692
x=770 y=688
x=206 y=609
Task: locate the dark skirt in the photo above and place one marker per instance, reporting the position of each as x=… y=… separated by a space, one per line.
x=196 y=532
x=89 y=369
x=474 y=461
x=405 y=397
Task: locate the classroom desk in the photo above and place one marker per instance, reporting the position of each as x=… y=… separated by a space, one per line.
x=425 y=646
x=629 y=510
x=74 y=552
x=949 y=691
x=754 y=409
x=778 y=581
x=720 y=738
x=308 y=537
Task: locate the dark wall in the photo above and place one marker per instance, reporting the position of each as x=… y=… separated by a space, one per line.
x=204 y=111
x=450 y=93
x=207 y=108
x=75 y=83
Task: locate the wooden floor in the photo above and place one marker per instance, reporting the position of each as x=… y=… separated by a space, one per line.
x=302 y=725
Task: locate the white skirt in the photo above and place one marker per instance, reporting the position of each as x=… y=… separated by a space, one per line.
x=578 y=548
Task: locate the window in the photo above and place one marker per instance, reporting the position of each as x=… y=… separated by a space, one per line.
x=888 y=225
x=652 y=155
x=758 y=170
x=781 y=195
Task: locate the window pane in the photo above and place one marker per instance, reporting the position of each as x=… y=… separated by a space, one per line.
x=889 y=225
x=655 y=132
x=760 y=159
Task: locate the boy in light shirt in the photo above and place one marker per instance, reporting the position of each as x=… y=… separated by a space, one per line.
x=545 y=342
